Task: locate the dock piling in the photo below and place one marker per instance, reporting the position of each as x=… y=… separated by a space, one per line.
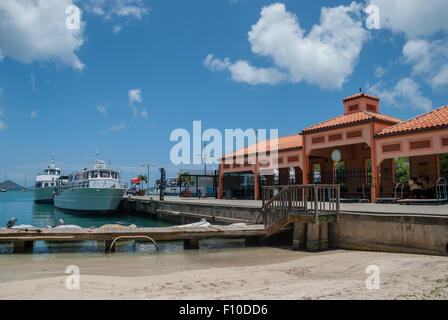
x=21 y=246
x=190 y=244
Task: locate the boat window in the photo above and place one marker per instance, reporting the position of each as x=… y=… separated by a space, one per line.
x=93 y=174
x=85 y=175
x=114 y=175
x=105 y=174
x=46 y=184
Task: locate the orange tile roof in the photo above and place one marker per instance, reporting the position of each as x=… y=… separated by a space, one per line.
x=350 y=119
x=286 y=143
x=360 y=95
x=434 y=119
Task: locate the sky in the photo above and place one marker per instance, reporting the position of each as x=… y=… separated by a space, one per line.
x=135 y=70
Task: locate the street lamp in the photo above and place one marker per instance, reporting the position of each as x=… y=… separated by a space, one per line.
x=203 y=155
x=148 y=165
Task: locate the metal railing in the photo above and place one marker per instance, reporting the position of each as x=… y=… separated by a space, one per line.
x=314 y=200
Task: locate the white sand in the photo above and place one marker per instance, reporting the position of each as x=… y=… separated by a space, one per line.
x=246 y=273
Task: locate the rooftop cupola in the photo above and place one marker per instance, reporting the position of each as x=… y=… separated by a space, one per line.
x=361 y=101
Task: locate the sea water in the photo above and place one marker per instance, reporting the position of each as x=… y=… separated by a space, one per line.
x=21 y=206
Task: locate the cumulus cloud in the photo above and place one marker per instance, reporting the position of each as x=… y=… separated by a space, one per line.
x=406 y=93
x=111 y=10
x=1 y=56
x=326 y=56
x=429 y=59
x=102 y=109
x=135 y=95
x=36 y=31
x=414 y=18
x=215 y=64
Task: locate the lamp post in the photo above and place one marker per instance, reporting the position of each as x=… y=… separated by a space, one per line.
x=148 y=165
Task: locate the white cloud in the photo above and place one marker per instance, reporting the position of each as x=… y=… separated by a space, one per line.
x=326 y=56
x=441 y=78
x=380 y=72
x=1 y=56
x=33 y=114
x=414 y=18
x=2 y=125
x=429 y=59
x=35 y=31
x=102 y=109
x=144 y=113
x=242 y=71
x=406 y=93
x=135 y=95
x=117 y=28
x=111 y=10
x=118 y=127
x=215 y=64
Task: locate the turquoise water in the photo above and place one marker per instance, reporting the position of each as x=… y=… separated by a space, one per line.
x=21 y=205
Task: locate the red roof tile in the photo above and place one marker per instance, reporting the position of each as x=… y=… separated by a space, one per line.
x=351 y=119
x=434 y=119
x=361 y=95
x=286 y=143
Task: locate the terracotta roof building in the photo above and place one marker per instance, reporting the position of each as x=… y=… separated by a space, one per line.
x=367 y=142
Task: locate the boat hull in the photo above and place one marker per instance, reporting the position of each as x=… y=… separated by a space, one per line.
x=89 y=199
x=43 y=195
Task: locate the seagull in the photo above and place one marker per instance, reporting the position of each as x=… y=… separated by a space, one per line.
x=11 y=223
x=61 y=222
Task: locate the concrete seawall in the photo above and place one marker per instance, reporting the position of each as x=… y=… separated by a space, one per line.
x=184 y=211
x=390 y=233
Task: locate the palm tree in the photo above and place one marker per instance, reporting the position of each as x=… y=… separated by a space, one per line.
x=143 y=179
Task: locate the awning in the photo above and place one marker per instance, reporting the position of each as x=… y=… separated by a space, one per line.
x=136 y=180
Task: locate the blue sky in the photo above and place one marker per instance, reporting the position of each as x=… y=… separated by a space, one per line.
x=137 y=70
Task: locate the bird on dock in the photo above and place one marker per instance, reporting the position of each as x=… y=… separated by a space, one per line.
x=11 y=223
x=61 y=222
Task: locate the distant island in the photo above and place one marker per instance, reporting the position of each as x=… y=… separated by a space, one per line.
x=10 y=185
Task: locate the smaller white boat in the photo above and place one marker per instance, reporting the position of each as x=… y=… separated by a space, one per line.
x=3 y=190
x=46 y=184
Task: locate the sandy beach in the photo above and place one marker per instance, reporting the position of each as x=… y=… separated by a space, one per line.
x=241 y=273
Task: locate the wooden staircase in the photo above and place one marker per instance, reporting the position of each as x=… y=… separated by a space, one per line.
x=308 y=204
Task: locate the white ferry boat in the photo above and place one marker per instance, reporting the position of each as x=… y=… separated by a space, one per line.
x=46 y=183
x=95 y=190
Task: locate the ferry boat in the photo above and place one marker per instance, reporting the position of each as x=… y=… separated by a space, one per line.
x=46 y=183
x=3 y=190
x=94 y=190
